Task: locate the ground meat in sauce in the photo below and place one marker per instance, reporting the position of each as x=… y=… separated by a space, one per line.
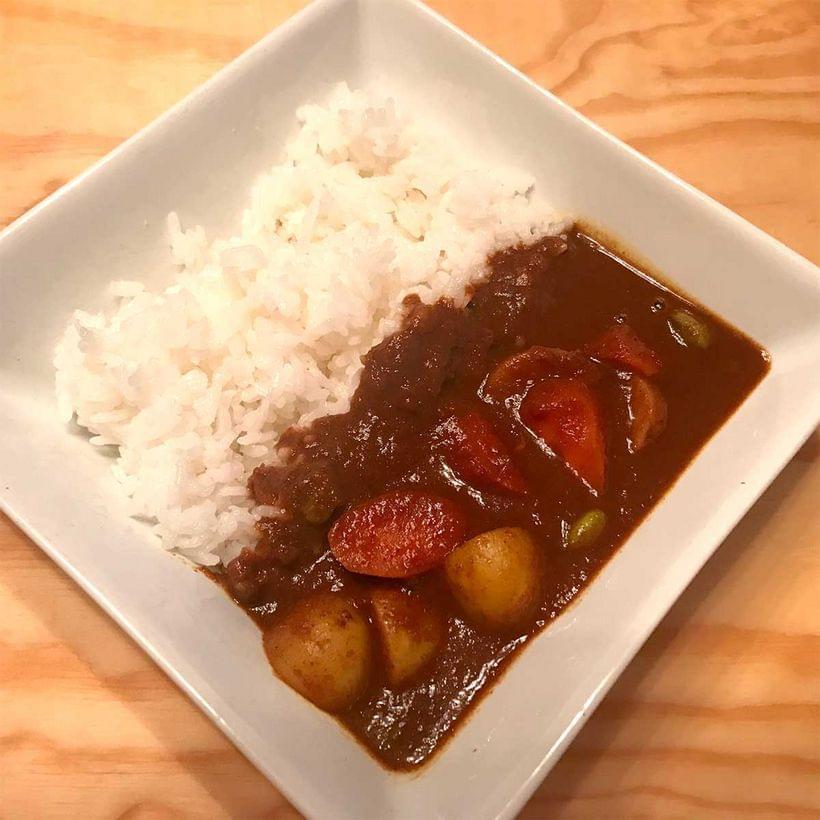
x=559 y=293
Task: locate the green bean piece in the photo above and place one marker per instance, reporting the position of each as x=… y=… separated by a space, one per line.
x=690 y=329
x=587 y=529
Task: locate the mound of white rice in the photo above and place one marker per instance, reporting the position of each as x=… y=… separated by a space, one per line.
x=267 y=329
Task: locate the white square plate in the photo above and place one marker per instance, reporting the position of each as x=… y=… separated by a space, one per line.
x=200 y=159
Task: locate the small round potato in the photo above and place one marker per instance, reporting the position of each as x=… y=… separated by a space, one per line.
x=496 y=577
x=411 y=632
x=322 y=648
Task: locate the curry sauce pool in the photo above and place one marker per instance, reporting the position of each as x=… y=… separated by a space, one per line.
x=493 y=459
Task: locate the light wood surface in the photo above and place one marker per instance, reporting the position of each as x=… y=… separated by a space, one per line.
x=719 y=715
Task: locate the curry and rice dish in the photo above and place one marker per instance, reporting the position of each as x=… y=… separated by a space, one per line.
x=401 y=498
x=493 y=459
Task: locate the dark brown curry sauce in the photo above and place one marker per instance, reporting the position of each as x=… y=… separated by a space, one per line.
x=556 y=294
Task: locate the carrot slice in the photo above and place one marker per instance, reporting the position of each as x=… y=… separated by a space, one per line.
x=515 y=373
x=621 y=346
x=478 y=455
x=564 y=414
x=397 y=534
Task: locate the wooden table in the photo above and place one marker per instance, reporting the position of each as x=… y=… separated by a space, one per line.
x=719 y=715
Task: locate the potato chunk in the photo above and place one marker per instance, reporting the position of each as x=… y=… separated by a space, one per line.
x=410 y=630
x=322 y=648
x=496 y=577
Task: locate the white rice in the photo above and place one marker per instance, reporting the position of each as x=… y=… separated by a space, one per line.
x=267 y=329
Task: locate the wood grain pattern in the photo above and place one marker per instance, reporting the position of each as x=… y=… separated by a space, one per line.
x=719 y=715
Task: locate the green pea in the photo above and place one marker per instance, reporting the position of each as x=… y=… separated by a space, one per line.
x=690 y=329
x=316 y=513
x=587 y=529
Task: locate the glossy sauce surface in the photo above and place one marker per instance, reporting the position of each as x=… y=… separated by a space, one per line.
x=559 y=294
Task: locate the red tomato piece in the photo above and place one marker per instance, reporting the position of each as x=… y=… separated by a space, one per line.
x=564 y=414
x=397 y=534
x=647 y=413
x=478 y=455
x=517 y=372
x=621 y=346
